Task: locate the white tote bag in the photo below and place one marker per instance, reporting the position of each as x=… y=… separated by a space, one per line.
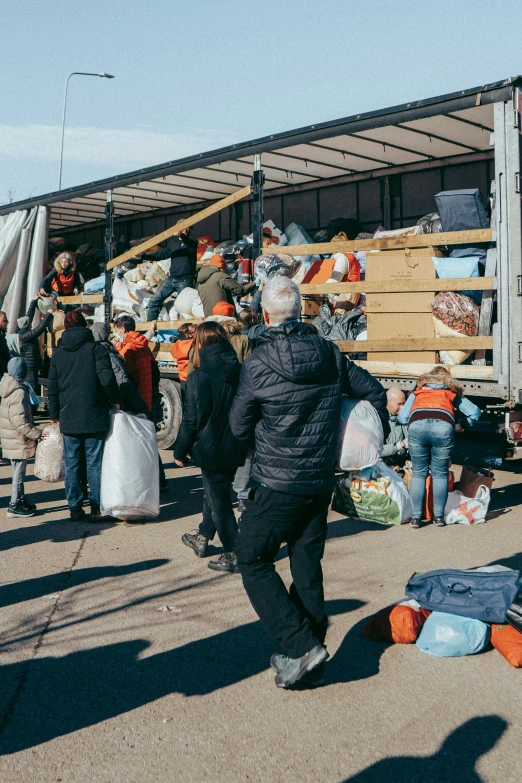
x=130 y=469
x=361 y=437
x=467 y=511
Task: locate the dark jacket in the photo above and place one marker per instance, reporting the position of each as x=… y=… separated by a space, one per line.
x=205 y=431
x=131 y=399
x=30 y=344
x=290 y=391
x=182 y=253
x=81 y=384
x=5 y=355
x=215 y=286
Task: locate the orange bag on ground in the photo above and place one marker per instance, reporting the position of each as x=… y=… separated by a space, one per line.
x=508 y=641
x=399 y=623
x=428 y=498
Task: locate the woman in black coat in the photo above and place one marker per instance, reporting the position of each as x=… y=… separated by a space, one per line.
x=30 y=342
x=206 y=435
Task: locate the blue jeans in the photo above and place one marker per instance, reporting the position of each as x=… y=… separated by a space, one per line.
x=86 y=449
x=431 y=444
x=168 y=286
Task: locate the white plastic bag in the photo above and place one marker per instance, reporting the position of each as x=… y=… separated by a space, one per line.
x=130 y=469
x=467 y=511
x=185 y=301
x=450 y=635
x=48 y=462
x=361 y=437
x=377 y=494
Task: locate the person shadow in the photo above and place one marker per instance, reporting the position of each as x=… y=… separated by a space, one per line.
x=47 y=697
x=456 y=759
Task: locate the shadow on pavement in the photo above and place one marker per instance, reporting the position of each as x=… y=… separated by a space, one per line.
x=58 y=531
x=357 y=658
x=455 y=760
x=512 y=561
x=28 y=589
x=57 y=696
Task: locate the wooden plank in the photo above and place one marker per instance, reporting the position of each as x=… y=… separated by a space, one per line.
x=81 y=299
x=181 y=226
x=388 y=243
x=486 y=308
x=401 y=286
x=416 y=344
x=414 y=370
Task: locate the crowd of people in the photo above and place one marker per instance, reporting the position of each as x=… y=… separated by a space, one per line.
x=262 y=394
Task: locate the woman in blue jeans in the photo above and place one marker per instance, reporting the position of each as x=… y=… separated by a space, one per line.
x=430 y=415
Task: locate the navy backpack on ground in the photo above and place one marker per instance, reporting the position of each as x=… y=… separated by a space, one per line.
x=481 y=595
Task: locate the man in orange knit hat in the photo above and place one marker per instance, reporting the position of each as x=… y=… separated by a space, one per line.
x=215 y=285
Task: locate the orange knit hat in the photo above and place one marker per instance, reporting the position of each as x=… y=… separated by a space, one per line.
x=224 y=308
x=217 y=260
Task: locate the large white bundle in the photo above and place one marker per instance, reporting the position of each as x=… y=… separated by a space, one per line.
x=361 y=435
x=130 y=469
x=185 y=301
x=48 y=462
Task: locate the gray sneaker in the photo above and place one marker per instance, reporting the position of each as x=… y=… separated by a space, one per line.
x=313 y=679
x=196 y=542
x=295 y=670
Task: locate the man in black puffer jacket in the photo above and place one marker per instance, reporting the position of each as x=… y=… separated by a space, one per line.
x=290 y=395
x=81 y=389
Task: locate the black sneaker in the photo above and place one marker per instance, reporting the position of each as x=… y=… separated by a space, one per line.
x=196 y=542
x=294 y=670
x=226 y=562
x=439 y=522
x=28 y=506
x=241 y=505
x=18 y=510
x=77 y=514
x=313 y=679
x=415 y=523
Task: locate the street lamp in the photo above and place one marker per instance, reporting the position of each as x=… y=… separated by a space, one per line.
x=102 y=75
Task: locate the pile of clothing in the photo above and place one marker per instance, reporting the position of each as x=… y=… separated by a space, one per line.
x=451 y=612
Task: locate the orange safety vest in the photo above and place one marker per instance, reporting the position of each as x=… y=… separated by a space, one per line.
x=427 y=398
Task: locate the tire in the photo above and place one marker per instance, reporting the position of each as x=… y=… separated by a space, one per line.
x=170 y=407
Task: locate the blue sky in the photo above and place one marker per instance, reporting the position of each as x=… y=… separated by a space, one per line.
x=195 y=75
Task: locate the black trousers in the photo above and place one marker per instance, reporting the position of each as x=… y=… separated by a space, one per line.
x=295 y=619
x=218 y=513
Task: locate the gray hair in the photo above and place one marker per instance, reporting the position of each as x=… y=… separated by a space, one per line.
x=281 y=299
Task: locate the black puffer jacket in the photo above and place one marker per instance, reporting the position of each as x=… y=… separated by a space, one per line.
x=205 y=431
x=182 y=253
x=30 y=343
x=290 y=391
x=81 y=384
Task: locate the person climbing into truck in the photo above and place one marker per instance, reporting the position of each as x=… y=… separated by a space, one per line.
x=64 y=279
x=181 y=250
x=29 y=341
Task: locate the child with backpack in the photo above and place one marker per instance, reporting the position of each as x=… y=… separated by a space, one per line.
x=430 y=416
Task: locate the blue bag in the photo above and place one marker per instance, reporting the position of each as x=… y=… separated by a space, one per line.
x=481 y=595
x=468 y=266
x=448 y=635
x=461 y=210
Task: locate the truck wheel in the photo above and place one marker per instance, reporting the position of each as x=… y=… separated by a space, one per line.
x=169 y=421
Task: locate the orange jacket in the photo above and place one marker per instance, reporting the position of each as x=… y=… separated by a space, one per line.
x=434 y=399
x=64 y=284
x=139 y=362
x=354 y=269
x=180 y=351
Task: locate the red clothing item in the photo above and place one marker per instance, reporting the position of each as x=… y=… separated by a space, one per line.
x=63 y=283
x=180 y=351
x=139 y=363
x=354 y=269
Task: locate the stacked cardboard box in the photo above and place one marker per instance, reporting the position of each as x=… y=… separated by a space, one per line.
x=403 y=315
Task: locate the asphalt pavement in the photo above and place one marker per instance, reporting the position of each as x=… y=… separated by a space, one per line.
x=124 y=659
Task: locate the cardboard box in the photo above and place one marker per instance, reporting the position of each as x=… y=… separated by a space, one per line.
x=419 y=302
x=384 y=326
x=409 y=264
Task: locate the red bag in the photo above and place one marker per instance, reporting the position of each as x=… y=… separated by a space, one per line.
x=428 y=498
x=399 y=623
x=508 y=641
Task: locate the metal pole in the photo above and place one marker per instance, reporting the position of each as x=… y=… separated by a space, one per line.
x=257 y=206
x=63 y=130
x=109 y=255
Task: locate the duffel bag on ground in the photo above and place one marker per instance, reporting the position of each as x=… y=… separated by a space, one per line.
x=481 y=595
x=448 y=635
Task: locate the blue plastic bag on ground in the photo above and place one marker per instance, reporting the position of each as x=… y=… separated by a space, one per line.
x=449 y=635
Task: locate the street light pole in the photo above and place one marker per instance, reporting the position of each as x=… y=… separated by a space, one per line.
x=102 y=75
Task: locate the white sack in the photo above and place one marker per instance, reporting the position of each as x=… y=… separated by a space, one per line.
x=185 y=301
x=48 y=461
x=130 y=469
x=197 y=309
x=361 y=437
x=467 y=511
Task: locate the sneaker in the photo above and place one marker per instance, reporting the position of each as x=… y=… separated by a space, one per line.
x=439 y=521
x=295 y=670
x=226 y=562
x=313 y=679
x=196 y=542
x=241 y=505
x=77 y=514
x=97 y=516
x=19 y=510
x=28 y=506
x=415 y=522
